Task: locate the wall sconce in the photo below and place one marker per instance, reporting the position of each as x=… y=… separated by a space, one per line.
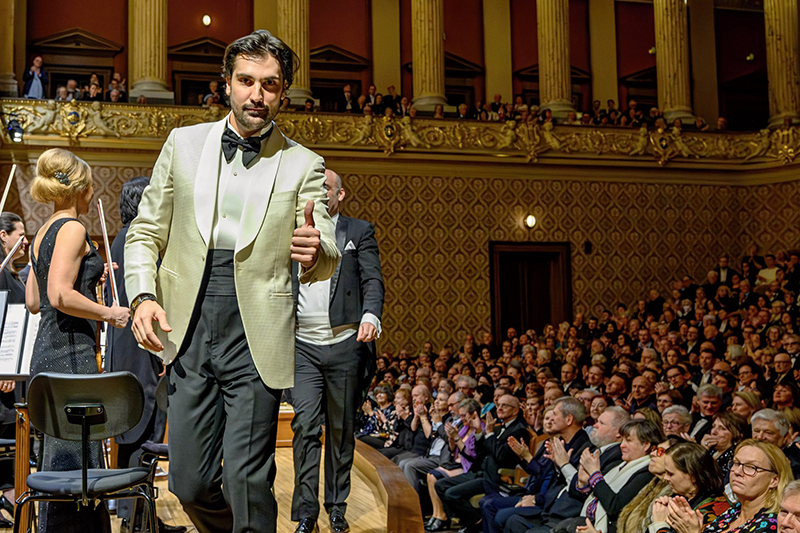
x=206 y=20
x=750 y=57
x=652 y=51
x=530 y=221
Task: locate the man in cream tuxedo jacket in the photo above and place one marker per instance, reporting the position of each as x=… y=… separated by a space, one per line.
x=229 y=206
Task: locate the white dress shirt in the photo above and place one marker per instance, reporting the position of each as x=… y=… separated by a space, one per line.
x=234 y=183
x=313 y=314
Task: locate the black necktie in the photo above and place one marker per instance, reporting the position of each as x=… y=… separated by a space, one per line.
x=251 y=146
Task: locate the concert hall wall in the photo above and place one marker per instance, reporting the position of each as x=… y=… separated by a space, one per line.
x=434 y=225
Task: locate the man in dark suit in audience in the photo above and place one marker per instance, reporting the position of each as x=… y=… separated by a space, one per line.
x=455 y=492
x=557 y=504
x=337 y=323
x=124 y=354
x=724 y=271
x=347 y=104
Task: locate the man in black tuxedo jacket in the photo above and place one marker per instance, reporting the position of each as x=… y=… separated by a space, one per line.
x=724 y=271
x=124 y=354
x=337 y=324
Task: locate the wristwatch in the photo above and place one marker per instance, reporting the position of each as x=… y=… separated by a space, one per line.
x=139 y=299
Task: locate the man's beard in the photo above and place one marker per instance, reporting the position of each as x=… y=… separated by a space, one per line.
x=253 y=123
x=597 y=441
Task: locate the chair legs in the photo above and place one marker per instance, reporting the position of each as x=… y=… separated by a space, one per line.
x=149 y=522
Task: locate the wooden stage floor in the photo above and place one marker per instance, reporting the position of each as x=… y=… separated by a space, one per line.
x=364 y=513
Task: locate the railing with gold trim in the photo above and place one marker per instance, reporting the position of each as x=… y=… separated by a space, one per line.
x=125 y=126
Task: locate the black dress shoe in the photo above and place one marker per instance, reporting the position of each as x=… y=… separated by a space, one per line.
x=166 y=528
x=338 y=522
x=307 y=525
x=7 y=505
x=438 y=525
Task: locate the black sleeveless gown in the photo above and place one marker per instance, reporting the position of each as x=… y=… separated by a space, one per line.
x=66 y=344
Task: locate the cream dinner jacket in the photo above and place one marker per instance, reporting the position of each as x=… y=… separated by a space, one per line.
x=175 y=219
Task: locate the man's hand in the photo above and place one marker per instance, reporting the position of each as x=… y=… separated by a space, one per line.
x=520 y=448
x=148 y=312
x=529 y=500
x=305 y=242
x=590 y=461
x=367 y=332
x=489 y=422
x=556 y=452
x=7 y=386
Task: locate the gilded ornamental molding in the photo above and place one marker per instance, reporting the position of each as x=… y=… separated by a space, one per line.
x=79 y=122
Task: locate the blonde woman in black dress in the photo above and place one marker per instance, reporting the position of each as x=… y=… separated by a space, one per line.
x=65 y=271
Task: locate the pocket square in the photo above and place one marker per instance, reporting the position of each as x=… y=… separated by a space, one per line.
x=350 y=246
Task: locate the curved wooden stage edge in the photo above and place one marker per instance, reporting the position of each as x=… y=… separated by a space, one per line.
x=375 y=477
x=390 y=486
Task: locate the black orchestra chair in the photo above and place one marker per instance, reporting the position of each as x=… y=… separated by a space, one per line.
x=153 y=452
x=84 y=408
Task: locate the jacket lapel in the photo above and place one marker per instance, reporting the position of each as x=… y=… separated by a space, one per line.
x=341 y=237
x=260 y=192
x=207 y=179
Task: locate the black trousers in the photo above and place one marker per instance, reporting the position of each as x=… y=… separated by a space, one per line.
x=327 y=390
x=455 y=493
x=219 y=408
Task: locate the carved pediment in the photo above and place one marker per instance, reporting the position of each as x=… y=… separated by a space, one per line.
x=77 y=41
x=642 y=78
x=531 y=73
x=455 y=67
x=204 y=49
x=330 y=57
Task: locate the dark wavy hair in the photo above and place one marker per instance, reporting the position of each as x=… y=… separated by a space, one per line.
x=130 y=197
x=693 y=459
x=260 y=44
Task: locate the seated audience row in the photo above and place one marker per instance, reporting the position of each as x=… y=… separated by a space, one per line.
x=680 y=414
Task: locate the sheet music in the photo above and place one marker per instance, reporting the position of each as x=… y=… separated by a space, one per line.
x=31 y=329
x=10 y=345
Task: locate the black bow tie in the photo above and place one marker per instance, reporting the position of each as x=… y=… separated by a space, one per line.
x=251 y=146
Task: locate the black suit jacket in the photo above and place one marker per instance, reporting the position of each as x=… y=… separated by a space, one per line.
x=124 y=353
x=357 y=283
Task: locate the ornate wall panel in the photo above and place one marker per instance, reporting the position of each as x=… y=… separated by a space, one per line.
x=434 y=235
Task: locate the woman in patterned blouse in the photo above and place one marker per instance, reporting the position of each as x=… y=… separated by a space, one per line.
x=759 y=473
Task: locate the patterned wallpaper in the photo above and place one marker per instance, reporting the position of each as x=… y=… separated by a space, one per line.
x=434 y=235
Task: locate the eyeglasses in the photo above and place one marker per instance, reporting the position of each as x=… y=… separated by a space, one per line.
x=670 y=423
x=748 y=469
x=659 y=451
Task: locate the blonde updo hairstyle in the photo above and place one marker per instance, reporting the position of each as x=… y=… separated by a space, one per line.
x=60 y=174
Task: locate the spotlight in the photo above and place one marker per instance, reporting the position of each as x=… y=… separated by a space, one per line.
x=530 y=221
x=15 y=130
x=206 y=20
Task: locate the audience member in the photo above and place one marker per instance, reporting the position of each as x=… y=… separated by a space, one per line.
x=35 y=80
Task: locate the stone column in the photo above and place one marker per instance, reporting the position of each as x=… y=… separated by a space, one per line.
x=386 y=59
x=780 y=18
x=555 y=81
x=8 y=82
x=672 y=60
x=603 y=51
x=147 y=54
x=497 y=49
x=705 y=94
x=293 y=30
x=427 y=43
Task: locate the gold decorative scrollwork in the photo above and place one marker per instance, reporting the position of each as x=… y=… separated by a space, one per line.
x=529 y=141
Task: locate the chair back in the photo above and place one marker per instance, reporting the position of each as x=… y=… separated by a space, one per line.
x=115 y=399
